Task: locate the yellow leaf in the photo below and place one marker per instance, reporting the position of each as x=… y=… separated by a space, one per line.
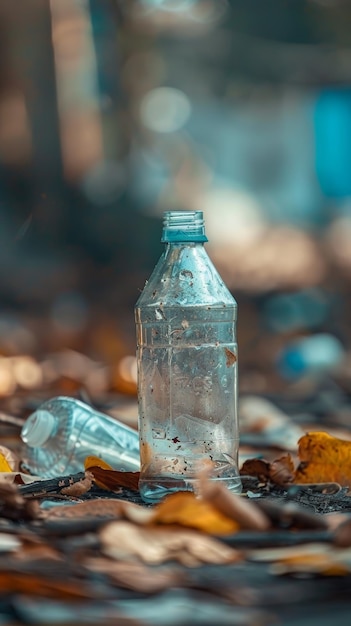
x=324 y=458
x=4 y=466
x=95 y=461
x=185 y=509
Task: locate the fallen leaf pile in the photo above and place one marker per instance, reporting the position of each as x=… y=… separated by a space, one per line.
x=57 y=552
x=322 y=459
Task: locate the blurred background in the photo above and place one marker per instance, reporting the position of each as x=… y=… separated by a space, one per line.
x=112 y=111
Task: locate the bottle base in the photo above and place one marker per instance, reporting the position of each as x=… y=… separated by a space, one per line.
x=152 y=491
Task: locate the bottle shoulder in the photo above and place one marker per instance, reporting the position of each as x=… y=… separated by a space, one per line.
x=185 y=276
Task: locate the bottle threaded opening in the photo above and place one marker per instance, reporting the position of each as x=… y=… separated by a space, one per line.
x=183 y=226
x=37 y=428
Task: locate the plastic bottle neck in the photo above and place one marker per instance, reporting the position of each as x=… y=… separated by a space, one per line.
x=38 y=428
x=183 y=227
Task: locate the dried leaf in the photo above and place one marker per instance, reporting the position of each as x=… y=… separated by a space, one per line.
x=324 y=458
x=314 y=558
x=323 y=559
x=15 y=506
x=4 y=464
x=342 y=535
x=18 y=477
x=92 y=508
x=10 y=457
x=281 y=471
x=256 y=467
x=136 y=576
x=244 y=513
x=185 y=509
x=108 y=478
x=155 y=545
x=20 y=582
x=95 y=461
x=80 y=487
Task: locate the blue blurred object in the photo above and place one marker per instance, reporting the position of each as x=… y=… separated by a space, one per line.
x=310 y=355
x=308 y=308
x=332 y=123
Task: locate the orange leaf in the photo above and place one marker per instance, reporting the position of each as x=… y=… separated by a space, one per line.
x=185 y=509
x=95 y=461
x=324 y=458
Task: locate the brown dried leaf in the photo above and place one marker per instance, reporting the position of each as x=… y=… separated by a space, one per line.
x=37 y=551
x=122 y=540
x=15 y=506
x=342 y=534
x=92 y=508
x=113 y=480
x=281 y=471
x=20 y=582
x=256 y=467
x=79 y=488
x=136 y=576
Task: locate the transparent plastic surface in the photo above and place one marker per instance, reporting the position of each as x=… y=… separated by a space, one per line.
x=187 y=375
x=80 y=431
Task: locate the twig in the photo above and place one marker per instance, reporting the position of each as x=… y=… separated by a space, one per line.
x=40 y=488
x=11 y=419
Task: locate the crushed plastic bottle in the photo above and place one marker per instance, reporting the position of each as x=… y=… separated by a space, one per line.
x=64 y=431
x=187 y=367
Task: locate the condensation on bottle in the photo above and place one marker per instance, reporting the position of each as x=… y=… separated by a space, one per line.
x=63 y=432
x=187 y=367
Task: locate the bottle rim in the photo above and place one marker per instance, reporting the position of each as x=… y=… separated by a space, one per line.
x=183 y=226
x=38 y=428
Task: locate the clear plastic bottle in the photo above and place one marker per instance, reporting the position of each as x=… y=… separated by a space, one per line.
x=63 y=432
x=187 y=366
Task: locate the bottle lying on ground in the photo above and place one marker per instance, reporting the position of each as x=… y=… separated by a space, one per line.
x=63 y=432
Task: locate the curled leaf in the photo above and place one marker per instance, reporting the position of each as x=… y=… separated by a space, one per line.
x=155 y=545
x=113 y=480
x=108 y=478
x=324 y=458
x=256 y=467
x=79 y=488
x=244 y=513
x=281 y=471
